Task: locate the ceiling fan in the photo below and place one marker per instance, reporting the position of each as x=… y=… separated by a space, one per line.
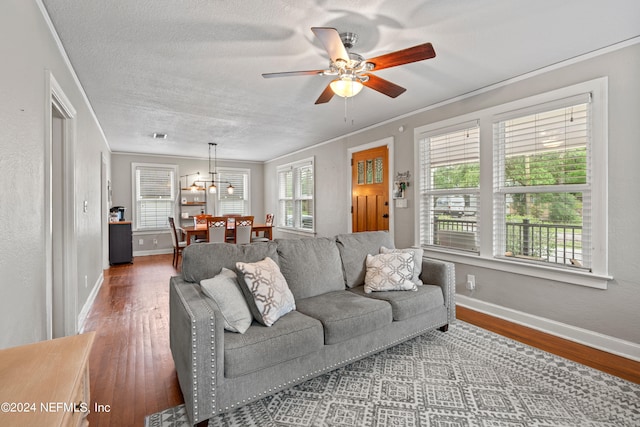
x=353 y=70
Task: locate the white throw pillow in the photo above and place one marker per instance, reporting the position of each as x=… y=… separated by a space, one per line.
x=225 y=291
x=417 y=261
x=266 y=290
x=389 y=272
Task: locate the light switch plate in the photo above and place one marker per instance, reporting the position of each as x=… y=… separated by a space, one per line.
x=401 y=203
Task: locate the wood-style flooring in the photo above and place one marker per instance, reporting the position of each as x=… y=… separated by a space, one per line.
x=131 y=368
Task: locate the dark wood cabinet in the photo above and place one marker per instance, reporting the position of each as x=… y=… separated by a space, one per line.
x=120 y=242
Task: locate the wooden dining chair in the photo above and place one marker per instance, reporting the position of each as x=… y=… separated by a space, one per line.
x=269 y=222
x=178 y=244
x=243 y=229
x=217 y=226
x=200 y=223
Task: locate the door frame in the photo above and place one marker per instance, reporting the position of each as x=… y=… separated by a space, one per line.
x=389 y=143
x=56 y=96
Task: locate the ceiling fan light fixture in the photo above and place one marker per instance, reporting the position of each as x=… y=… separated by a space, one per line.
x=212 y=188
x=346 y=87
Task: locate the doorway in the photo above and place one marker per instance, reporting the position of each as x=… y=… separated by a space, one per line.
x=370 y=187
x=61 y=280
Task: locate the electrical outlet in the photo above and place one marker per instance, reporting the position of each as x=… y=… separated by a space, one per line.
x=86 y=281
x=140 y=242
x=155 y=242
x=471 y=282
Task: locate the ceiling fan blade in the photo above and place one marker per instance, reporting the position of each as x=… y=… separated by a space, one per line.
x=383 y=86
x=293 y=73
x=325 y=96
x=404 y=56
x=332 y=42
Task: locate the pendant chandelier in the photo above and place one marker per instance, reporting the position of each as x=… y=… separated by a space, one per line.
x=213 y=175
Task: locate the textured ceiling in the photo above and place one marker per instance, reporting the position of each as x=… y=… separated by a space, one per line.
x=192 y=68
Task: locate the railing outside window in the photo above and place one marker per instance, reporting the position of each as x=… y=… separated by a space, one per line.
x=553 y=243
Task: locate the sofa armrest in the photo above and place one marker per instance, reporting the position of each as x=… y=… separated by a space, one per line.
x=441 y=273
x=196 y=334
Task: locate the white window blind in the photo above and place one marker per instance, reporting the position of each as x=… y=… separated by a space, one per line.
x=449 y=187
x=238 y=202
x=542 y=189
x=154 y=198
x=296 y=195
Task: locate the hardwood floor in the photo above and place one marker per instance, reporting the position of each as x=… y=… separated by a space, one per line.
x=131 y=367
x=606 y=362
x=132 y=370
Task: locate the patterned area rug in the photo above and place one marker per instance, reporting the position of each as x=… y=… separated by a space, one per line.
x=465 y=377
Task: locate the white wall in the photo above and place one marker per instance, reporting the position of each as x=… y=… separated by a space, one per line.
x=612 y=312
x=27 y=50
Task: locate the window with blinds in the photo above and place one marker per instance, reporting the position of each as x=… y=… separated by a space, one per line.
x=542 y=191
x=449 y=187
x=154 y=195
x=296 y=195
x=238 y=202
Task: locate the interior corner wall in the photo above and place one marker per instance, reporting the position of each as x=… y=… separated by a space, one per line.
x=27 y=50
x=612 y=312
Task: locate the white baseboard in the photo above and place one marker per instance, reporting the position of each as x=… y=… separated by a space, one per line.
x=82 y=317
x=153 y=252
x=586 y=337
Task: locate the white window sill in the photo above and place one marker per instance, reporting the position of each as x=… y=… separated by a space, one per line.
x=560 y=274
x=298 y=231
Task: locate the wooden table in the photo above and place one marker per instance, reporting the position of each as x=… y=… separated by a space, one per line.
x=46 y=383
x=191 y=231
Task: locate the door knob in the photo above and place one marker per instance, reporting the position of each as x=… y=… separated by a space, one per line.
x=385 y=216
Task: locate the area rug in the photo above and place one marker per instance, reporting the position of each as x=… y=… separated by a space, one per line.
x=465 y=377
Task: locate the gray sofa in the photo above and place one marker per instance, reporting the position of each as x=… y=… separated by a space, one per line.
x=335 y=321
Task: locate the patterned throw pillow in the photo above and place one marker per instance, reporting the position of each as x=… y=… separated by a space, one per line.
x=225 y=291
x=417 y=261
x=389 y=272
x=266 y=290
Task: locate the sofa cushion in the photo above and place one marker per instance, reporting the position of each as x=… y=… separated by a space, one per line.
x=292 y=336
x=345 y=315
x=354 y=249
x=226 y=293
x=407 y=304
x=417 y=261
x=311 y=266
x=389 y=272
x=266 y=290
x=206 y=260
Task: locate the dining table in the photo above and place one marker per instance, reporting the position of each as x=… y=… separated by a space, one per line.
x=194 y=231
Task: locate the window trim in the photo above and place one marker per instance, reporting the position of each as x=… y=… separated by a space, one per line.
x=134 y=203
x=216 y=197
x=309 y=161
x=436 y=193
x=599 y=275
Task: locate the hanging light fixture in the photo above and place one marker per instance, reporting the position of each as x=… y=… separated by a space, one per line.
x=212 y=188
x=346 y=86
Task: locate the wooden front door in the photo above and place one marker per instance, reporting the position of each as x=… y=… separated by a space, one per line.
x=370 y=189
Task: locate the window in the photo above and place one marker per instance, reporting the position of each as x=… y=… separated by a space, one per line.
x=542 y=195
x=539 y=166
x=449 y=187
x=295 y=195
x=154 y=195
x=238 y=202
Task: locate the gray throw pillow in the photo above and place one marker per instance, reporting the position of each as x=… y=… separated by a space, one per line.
x=225 y=291
x=266 y=290
x=417 y=261
x=389 y=272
